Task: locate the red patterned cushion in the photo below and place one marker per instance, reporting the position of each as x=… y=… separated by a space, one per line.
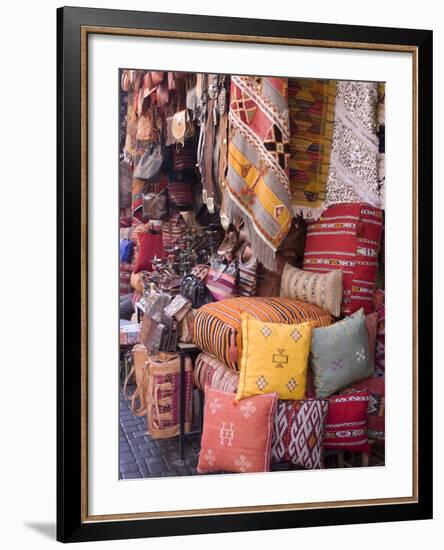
x=376 y=406
x=236 y=435
x=297 y=437
x=346 y=426
x=347 y=237
x=150 y=246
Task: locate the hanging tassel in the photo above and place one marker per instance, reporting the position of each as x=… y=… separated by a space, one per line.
x=233 y=352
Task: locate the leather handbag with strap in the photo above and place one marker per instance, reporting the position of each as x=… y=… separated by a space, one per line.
x=222 y=280
x=162 y=395
x=149 y=163
x=138 y=373
x=155 y=206
x=195 y=290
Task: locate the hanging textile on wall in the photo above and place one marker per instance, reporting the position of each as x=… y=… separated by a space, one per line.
x=257 y=180
x=353 y=175
x=380 y=130
x=311 y=103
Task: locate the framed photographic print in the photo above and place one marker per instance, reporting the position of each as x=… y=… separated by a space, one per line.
x=244 y=274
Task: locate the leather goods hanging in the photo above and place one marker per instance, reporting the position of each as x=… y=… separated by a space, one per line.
x=149 y=164
x=155 y=206
x=182 y=126
x=163 y=395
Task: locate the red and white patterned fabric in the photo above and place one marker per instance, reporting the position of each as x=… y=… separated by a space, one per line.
x=345 y=428
x=347 y=237
x=297 y=437
x=376 y=405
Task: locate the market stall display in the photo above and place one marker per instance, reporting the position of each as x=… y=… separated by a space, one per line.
x=251 y=230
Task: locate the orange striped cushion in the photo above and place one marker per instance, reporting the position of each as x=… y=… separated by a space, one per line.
x=214 y=322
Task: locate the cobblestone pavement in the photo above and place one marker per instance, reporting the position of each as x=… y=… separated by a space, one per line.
x=142 y=456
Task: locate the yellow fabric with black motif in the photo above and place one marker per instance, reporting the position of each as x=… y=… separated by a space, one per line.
x=274 y=359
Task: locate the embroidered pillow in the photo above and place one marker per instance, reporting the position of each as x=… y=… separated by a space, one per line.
x=274 y=358
x=217 y=324
x=236 y=436
x=346 y=426
x=321 y=289
x=347 y=238
x=298 y=432
x=340 y=355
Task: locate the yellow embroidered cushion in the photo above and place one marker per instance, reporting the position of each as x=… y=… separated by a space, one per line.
x=274 y=358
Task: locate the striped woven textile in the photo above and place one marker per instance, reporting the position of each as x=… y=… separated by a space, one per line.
x=209 y=371
x=311 y=103
x=173 y=232
x=347 y=237
x=257 y=183
x=215 y=322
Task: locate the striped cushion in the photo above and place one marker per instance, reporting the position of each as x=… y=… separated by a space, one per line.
x=209 y=371
x=347 y=237
x=214 y=322
x=322 y=289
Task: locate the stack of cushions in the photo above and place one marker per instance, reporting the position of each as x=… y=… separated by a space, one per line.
x=274 y=361
x=347 y=237
x=217 y=326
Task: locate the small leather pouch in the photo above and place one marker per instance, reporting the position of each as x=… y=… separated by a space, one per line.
x=155 y=205
x=182 y=127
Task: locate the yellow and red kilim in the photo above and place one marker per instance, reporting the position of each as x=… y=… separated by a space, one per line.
x=311 y=103
x=258 y=187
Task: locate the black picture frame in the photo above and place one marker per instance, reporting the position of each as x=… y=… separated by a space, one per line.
x=72 y=526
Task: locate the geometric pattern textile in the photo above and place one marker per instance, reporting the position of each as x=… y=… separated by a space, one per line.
x=346 y=425
x=298 y=433
x=257 y=182
x=376 y=405
x=353 y=175
x=347 y=237
x=274 y=359
x=311 y=103
x=217 y=326
x=236 y=436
